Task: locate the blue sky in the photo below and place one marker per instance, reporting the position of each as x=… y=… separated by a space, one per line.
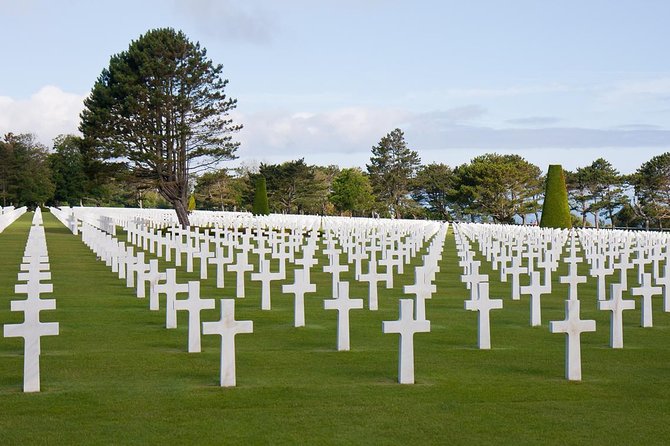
x=556 y=82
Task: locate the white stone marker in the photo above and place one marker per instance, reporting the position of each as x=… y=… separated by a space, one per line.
x=647 y=291
x=299 y=287
x=616 y=305
x=227 y=327
x=664 y=281
x=573 y=327
x=194 y=305
x=373 y=278
x=31 y=330
x=241 y=266
x=484 y=305
x=406 y=326
x=343 y=304
x=535 y=290
x=265 y=276
x=170 y=288
x=516 y=270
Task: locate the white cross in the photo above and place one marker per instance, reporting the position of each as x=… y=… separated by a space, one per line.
x=484 y=305
x=536 y=290
x=423 y=289
x=647 y=291
x=299 y=287
x=241 y=266
x=335 y=268
x=343 y=304
x=573 y=327
x=265 y=276
x=616 y=305
x=598 y=270
x=406 y=326
x=220 y=261
x=170 y=288
x=664 y=281
x=516 y=270
x=31 y=330
x=227 y=327
x=572 y=279
x=373 y=278
x=194 y=305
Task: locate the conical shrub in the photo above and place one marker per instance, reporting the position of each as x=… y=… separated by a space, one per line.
x=555 y=210
x=261 y=198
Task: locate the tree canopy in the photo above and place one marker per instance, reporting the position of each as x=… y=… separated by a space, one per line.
x=161 y=106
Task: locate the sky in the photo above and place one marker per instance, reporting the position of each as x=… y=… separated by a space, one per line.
x=557 y=82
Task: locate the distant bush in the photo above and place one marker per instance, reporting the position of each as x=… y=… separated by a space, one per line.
x=261 y=206
x=556 y=211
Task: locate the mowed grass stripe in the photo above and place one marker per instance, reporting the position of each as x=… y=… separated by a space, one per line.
x=116 y=376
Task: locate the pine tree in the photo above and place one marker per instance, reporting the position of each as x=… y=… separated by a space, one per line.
x=392 y=167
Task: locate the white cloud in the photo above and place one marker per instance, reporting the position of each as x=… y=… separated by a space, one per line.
x=47 y=113
x=230 y=20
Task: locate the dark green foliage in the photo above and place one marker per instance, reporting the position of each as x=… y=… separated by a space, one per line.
x=498 y=186
x=67 y=169
x=25 y=177
x=261 y=197
x=352 y=192
x=219 y=191
x=556 y=211
x=161 y=106
x=392 y=168
x=651 y=186
x=434 y=189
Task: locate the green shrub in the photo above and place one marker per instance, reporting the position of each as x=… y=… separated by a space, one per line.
x=555 y=210
x=261 y=198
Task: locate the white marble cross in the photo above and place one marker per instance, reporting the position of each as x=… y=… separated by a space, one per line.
x=535 y=290
x=616 y=305
x=406 y=326
x=335 y=268
x=170 y=288
x=194 y=305
x=220 y=261
x=227 y=327
x=373 y=278
x=423 y=289
x=573 y=327
x=31 y=330
x=343 y=304
x=266 y=276
x=647 y=291
x=664 y=281
x=299 y=287
x=484 y=305
x=572 y=279
x=516 y=270
x=241 y=266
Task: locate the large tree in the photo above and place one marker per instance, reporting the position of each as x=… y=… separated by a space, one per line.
x=352 y=192
x=67 y=170
x=392 y=168
x=161 y=106
x=498 y=186
x=25 y=177
x=651 y=185
x=434 y=189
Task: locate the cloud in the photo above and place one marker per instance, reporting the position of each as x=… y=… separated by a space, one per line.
x=534 y=121
x=47 y=113
x=635 y=93
x=230 y=20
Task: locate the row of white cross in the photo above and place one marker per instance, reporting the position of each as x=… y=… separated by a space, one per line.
x=359 y=243
x=533 y=249
x=9 y=215
x=34 y=270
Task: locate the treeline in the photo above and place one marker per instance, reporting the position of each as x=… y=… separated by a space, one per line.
x=491 y=187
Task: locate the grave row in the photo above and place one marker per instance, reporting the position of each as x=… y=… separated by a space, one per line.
x=9 y=215
x=34 y=271
x=363 y=243
x=524 y=251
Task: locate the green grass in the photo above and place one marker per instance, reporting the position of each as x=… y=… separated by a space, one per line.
x=115 y=375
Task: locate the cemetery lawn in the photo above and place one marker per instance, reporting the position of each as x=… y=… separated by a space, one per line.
x=115 y=375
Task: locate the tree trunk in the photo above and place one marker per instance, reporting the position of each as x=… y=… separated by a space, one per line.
x=182 y=213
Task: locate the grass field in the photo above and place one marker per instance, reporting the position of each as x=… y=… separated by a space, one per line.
x=115 y=375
